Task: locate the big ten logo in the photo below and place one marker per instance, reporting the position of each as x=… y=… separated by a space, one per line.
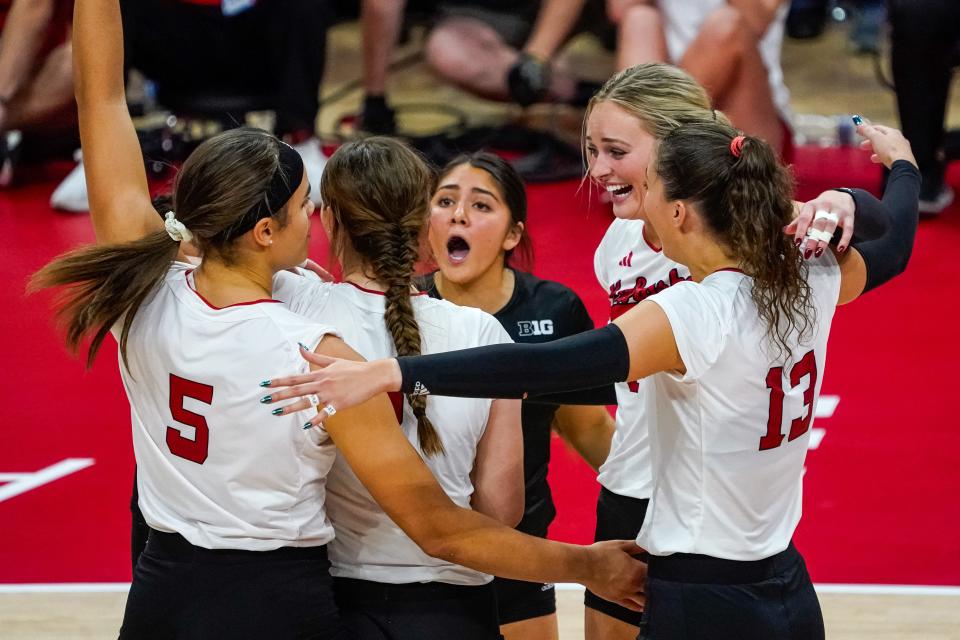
x=536 y=327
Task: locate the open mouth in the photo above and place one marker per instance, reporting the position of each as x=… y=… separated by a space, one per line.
x=457 y=249
x=619 y=192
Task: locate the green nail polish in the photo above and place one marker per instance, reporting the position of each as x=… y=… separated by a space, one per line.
x=265 y=383
x=303 y=346
x=307 y=426
x=277 y=412
x=265 y=399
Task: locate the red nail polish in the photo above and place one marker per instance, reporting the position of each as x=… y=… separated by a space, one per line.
x=841 y=249
x=819 y=253
x=807 y=254
x=799 y=240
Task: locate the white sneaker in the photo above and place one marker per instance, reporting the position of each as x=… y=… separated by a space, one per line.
x=313 y=162
x=71 y=194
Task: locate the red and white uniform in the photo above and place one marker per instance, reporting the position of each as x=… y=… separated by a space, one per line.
x=631 y=270
x=368 y=545
x=729 y=437
x=212 y=463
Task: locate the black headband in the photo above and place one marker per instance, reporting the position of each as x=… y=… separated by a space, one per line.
x=283 y=184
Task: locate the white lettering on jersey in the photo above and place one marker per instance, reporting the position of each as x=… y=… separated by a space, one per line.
x=535 y=327
x=18 y=483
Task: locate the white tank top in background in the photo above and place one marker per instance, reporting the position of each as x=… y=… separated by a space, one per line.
x=213 y=464
x=729 y=437
x=368 y=545
x=683 y=18
x=630 y=270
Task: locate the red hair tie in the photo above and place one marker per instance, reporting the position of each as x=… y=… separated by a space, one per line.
x=736 y=146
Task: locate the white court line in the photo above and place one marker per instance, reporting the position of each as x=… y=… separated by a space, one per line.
x=858 y=589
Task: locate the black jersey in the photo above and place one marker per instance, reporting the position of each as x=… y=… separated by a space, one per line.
x=538 y=311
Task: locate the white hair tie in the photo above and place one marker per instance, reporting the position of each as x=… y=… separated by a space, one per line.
x=175 y=228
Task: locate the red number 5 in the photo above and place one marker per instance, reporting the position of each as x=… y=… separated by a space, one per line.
x=194 y=450
x=805 y=367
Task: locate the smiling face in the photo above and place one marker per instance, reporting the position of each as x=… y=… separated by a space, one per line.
x=618 y=149
x=471 y=226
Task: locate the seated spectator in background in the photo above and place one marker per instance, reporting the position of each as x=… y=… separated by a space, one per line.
x=496 y=49
x=925 y=38
x=36 y=77
x=268 y=54
x=731 y=47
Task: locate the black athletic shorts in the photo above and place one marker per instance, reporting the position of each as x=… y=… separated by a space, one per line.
x=693 y=596
x=190 y=593
x=618 y=518
x=518 y=600
x=379 y=611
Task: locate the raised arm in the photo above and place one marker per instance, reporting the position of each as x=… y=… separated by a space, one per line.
x=369 y=437
x=113 y=163
x=873 y=261
x=498 y=489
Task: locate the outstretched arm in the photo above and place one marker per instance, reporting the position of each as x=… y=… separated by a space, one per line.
x=639 y=343
x=368 y=436
x=873 y=261
x=113 y=163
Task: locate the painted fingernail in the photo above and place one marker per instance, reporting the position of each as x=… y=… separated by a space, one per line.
x=265 y=383
x=307 y=426
x=818 y=253
x=265 y=399
x=798 y=242
x=806 y=254
x=277 y=412
x=303 y=346
x=841 y=248
x=857 y=120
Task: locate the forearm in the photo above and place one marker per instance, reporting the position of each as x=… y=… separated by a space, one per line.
x=473 y=540
x=553 y=26
x=381 y=21
x=23 y=36
x=98 y=53
x=585 y=360
x=887 y=255
x=588 y=429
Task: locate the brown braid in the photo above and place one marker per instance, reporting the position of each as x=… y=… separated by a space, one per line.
x=379 y=192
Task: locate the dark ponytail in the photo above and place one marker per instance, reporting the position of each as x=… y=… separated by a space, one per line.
x=224 y=179
x=745 y=195
x=379 y=192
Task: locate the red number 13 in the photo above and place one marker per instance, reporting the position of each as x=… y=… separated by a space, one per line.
x=805 y=367
x=194 y=450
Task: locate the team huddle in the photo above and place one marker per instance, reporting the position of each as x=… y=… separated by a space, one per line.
x=367 y=459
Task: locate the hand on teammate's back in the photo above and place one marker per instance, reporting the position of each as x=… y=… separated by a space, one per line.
x=618 y=576
x=336 y=382
x=838 y=203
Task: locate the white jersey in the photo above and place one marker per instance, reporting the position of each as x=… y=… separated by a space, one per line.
x=213 y=464
x=683 y=19
x=368 y=545
x=729 y=437
x=630 y=270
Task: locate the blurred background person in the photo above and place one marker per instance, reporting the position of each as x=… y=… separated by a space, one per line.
x=222 y=58
x=36 y=76
x=496 y=49
x=731 y=47
x=925 y=48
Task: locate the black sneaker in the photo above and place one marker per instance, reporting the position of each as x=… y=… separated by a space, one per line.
x=377 y=118
x=933 y=203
